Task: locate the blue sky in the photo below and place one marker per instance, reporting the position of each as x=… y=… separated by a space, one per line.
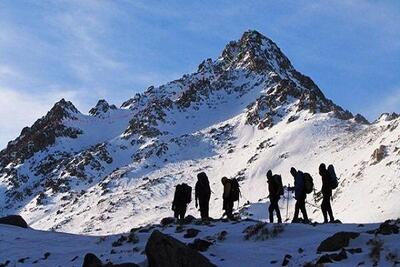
x=86 y=50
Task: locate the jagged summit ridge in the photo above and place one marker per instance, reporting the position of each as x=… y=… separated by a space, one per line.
x=255 y=52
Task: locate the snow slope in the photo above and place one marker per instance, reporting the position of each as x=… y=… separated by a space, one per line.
x=234 y=248
x=238 y=116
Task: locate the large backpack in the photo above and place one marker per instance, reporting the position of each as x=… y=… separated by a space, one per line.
x=186 y=193
x=235 y=189
x=278 y=184
x=308 y=183
x=183 y=194
x=333 y=179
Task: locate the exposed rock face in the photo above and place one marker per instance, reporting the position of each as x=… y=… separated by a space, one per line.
x=42 y=134
x=379 y=154
x=337 y=241
x=388 y=228
x=101 y=108
x=361 y=119
x=15 y=220
x=70 y=157
x=163 y=250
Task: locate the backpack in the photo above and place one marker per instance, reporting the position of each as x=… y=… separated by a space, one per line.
x=278 y=184
x=308 y=183
x=333 y=181
x=183 y=194
x=235 y=189
x=186 y=193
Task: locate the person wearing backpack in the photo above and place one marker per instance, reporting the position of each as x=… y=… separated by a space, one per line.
x=179 y=204
x=300 y=195
x=275 y=189
x=202 y=195
x=326 y=191
x=227 y=198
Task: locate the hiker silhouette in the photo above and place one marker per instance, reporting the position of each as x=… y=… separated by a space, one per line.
x=326 y=191
x=300 y=195
x=182 y=197
x=202 y=195
x=227 y=198
x=275 y=189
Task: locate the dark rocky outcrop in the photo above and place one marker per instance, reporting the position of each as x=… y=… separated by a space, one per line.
x=379 y=154
x=101 y=108
x=388 y=228
x=163 y=250
x=92 y=260
x=336 y=242
x=361 y=119
x=15 y=220
x=167 y=220
x=200 y=244
x=191 y=232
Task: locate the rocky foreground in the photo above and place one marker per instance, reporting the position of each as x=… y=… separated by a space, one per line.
x=218 y=243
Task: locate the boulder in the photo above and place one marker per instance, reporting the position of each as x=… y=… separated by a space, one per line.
x=337 y=241
x=166 y=221
x=286 y=260
x=163 y=250
x=92 y=260
x=190 y=233
x=189 y=219
x=200 y=244
x=387 y=228
x=15 y=220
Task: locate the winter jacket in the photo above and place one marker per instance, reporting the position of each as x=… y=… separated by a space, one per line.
x=299 y=190
x=202 y=191
x=227 y=190
x=326 y=186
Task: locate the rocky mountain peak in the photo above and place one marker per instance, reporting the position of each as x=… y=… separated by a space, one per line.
x=42 y=133
x=61 y=110
x=255 y=52
x=388 y=117
x=101 y=108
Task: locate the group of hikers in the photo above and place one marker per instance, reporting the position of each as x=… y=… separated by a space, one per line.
x=303 y=185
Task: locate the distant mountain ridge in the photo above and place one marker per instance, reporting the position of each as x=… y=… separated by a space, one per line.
x=238 y=115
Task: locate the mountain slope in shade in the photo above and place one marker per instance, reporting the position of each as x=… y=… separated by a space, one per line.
x=239 y=115
x=245 y=243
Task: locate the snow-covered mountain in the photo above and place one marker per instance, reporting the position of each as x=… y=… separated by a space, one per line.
x=239 y=115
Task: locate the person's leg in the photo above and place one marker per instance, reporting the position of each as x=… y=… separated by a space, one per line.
x=303 y=210
x=183 y=213
x=296 y=211
x=230 y=210
x=329 y=209
x=324 y=211
x=206 y=209
x=271 y=211
x=278 y=212
x=225 y=207
x=176 y=213
x=201 y=204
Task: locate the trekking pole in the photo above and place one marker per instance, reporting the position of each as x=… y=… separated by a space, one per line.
x=287 y=203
